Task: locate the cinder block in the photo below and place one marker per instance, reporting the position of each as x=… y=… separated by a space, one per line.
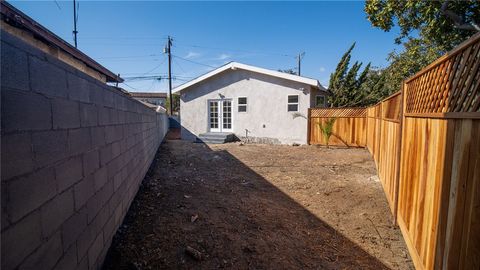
x=96 y=96
x=95 y=250
x=47 y=256
x=83 y=264
x=93 y=206
x=101 y=257
x=66 y=114
x=102 y=217
x=83 y=191
x=69 y=172
x=84 y=241
x=109 y=230
x=14 y=68
x=79 y=141
x=20 y=240
x=113 y=167
x=91 y=162
x=88 y=115
x=69 y=259
x=116 y=149
x=73 y=227
x=108 y=98
x=106 y=192
x=78 y=88
x=98 y=136
x=110 y=134
x=113 y=116
x=47 y=79
x=103 y=116
x=100 y=178
x=49 y=146
x=25 y=111
x=29 y=193
x=5 y=220
x=117 y=180
x=18 y=148
x=121 y=117
x=106 y=154
x=56 y=212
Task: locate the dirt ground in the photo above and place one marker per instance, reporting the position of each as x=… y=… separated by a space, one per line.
x=239 y=206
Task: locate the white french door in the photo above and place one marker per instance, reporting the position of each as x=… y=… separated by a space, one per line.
x=220 y=115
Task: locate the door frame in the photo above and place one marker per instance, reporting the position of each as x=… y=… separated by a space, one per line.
x=220 y=115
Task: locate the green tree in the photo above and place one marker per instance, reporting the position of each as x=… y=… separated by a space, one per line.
x=428 y=29
x=374 y=88
x=176 y=103
x=345 y=84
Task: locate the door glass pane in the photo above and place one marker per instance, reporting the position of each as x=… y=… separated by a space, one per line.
x=213 y=114
x=227 y=114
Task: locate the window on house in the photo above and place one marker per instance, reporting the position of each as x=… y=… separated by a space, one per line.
x=242 y=104
x=320 y=101
x=292 y=105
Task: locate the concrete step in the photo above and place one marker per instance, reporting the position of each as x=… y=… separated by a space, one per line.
x=216 y=138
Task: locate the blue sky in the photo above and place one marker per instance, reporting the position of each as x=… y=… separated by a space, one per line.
x=128 y=37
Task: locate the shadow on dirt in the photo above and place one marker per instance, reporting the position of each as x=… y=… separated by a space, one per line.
x=210 y=201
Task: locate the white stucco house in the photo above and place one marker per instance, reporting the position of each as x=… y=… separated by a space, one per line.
x=260 y=104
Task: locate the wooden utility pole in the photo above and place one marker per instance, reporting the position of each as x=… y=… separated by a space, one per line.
x=168 y=50
x=75 y=32
x=299 y=58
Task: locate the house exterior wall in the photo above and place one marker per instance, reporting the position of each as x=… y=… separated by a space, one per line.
x=74 y=152
x=266 y=119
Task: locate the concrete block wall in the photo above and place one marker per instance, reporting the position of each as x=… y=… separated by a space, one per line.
x=73 y=153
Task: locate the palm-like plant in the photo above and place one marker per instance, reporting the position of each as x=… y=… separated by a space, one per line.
x=327 y=129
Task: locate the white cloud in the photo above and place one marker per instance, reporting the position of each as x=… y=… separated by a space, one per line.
x=223 y=56
x=192 y=55
x=322 y=69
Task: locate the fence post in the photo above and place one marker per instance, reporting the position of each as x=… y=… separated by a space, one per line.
x=399 y=153
x=309 y=115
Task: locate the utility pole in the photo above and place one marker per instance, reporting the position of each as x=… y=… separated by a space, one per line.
x=299 y=59
x=75 y=32
x=168 y=50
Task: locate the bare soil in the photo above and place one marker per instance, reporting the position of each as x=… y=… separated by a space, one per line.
x=239 y=206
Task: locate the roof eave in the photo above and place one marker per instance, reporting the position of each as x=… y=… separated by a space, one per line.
x=13 y=15
x=235 y=65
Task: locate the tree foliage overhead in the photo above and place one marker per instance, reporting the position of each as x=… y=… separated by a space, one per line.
x=346 y=85
x=427 y=18
x=428 y=29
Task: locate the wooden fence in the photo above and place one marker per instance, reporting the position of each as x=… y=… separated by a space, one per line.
x=425 y=141
x=349 y=128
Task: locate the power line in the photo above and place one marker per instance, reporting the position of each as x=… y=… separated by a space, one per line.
x=194 y=62
x=131 y=87
x=128 y=57
x=153 y=69
x=179 y=65
x=58 y=5
x=124 y=37
x=237 y=50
